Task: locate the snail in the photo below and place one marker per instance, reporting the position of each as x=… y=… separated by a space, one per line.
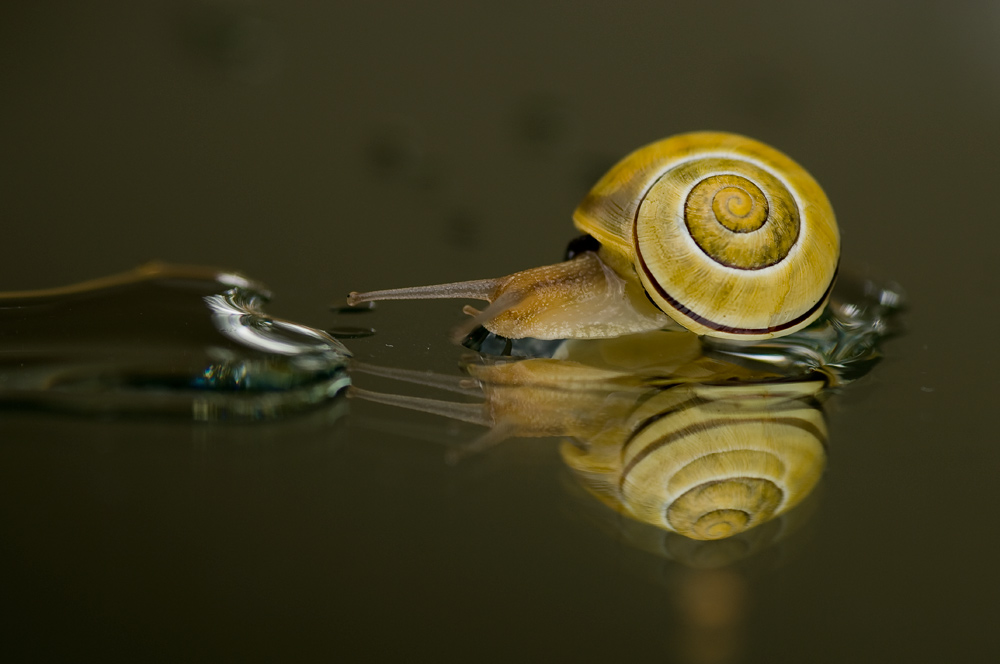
x=714 y=232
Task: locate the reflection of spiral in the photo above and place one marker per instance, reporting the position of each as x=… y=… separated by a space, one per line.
x=709 y=462
x=665 y=544
x=720 y=508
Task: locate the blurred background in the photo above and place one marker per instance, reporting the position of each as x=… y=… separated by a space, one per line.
x=329 y=147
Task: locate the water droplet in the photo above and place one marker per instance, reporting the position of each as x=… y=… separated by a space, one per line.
x=167 y=340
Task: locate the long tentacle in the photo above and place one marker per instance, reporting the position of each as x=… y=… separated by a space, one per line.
x=480 y=289
x=474 y=413
x=459 y=384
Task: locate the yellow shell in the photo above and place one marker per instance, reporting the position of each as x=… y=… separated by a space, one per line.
x=729 y=237
x=710 y=461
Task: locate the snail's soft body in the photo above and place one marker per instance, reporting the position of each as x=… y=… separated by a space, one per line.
x=716 y=232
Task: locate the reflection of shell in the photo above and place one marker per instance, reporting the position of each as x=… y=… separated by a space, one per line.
x=704 y=554
x=710 y=461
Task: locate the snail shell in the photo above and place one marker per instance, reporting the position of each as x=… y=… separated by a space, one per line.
x=729 y=237
x=709 y=461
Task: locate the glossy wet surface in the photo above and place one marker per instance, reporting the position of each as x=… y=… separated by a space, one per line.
x=163 y=340
x=325 y=151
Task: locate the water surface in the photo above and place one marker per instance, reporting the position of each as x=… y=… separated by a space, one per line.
x=325 y=149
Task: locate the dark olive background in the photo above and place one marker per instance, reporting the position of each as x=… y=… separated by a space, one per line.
x=327 y=147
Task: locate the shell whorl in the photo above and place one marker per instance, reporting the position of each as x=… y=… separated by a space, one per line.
x=731 y=219
x=723 y=460
x=729 y=237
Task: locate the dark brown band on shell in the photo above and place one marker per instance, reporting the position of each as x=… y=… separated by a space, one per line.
x=719 y=327
x=701 y=427
x=694 y=402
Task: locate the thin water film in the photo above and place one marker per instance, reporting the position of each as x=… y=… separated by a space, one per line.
x=166 y=340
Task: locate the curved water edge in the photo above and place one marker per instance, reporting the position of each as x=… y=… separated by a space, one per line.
x=163 y=339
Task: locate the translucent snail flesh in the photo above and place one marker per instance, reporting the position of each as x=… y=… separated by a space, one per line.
x=713 y=231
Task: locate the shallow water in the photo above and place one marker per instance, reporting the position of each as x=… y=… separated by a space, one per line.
x=325 y=150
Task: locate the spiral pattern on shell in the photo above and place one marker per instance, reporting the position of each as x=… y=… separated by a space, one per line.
x=716 y=461
x=729 y=237
x=730 y=218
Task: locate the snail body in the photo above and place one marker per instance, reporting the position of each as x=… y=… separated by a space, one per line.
x=715 y=232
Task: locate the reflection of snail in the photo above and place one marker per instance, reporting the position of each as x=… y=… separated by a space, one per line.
x=709 y=461
x=720 y=233
x=658 y=431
